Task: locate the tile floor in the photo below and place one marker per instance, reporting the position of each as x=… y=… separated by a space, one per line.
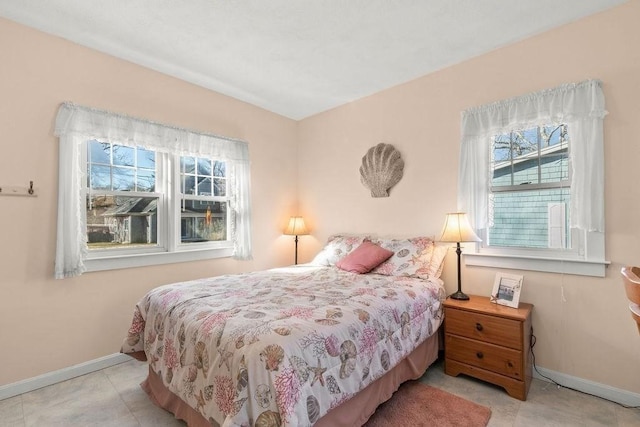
x=112 y=397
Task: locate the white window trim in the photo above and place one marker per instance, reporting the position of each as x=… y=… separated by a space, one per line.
x=155 y=258
x=76 y=124
x=581 y=106
x=568 y=262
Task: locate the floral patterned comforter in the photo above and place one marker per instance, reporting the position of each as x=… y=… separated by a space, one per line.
x=283 y=346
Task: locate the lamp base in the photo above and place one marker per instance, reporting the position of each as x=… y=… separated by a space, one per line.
x=459 y=295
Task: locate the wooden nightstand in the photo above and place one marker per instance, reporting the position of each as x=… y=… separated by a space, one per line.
x=490 y=342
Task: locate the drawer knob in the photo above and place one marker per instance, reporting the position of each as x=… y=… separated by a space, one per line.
x=479 y=355
x=479 y=327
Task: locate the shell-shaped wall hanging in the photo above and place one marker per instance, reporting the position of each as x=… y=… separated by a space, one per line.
x=381 y=169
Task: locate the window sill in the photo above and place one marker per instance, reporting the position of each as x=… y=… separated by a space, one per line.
x=551 y=265
x=142 y=260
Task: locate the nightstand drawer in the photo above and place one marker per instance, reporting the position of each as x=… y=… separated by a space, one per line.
x=501 y=360
x=496 y=330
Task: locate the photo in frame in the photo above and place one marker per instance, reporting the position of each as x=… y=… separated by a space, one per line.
x=506 y=289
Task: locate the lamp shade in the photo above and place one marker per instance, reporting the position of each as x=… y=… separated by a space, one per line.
x=457 y=229
x=296 y=227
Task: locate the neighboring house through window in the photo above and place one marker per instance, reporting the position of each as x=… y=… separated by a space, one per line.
x=134 y=192
x=532 y=180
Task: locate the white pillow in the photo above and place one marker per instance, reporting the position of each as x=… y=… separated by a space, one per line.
x=337 y=247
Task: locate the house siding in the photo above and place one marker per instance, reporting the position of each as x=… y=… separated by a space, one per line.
x=520 y=218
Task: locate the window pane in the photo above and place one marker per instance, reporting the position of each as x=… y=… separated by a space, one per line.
x=524 y=143
x=204 y=167
x=124 y=156
x=146 y=180
x=552 y=135
x=220 y=186
x=501 y=160
x=501 y=148
x=203 y=221
x=121 y=221
x=187 y=165
x=219 y=169
x=100 y=177
x=123 y=179
x=526 y=172
x=204 y=186
x=555 y=167
x=146 y=159
x=531 y=156
x=520 y=218
x=188 y=184
x=99 y=152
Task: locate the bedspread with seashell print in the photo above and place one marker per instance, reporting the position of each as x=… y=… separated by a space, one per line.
x=283 y=346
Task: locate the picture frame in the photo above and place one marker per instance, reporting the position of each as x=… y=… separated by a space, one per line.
x=506 y=289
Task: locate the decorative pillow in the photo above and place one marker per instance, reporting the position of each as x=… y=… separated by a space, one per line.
x=337 y=247
x=436 y=264
x=364 y=258
x=411 y=257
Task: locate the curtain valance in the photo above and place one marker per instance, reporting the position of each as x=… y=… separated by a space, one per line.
x=564 y=103
x=90 y=123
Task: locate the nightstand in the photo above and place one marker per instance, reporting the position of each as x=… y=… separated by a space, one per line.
x=490 y=342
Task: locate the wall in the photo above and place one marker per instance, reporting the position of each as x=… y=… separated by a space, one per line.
x=583 y=325
x=48 y=324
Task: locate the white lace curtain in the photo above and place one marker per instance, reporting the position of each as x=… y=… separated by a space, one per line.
x=580 y=106
x=76 y=124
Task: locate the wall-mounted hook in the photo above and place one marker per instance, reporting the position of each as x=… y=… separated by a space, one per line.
x=19 y=191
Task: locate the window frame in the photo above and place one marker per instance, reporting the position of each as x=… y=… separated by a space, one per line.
x=169 y=247
x=75 y=125
x=159 y=193
x=581 y=107
x=181 y=198
x=576 y=242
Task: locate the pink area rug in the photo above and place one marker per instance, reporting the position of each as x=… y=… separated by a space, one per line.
x=416 y=404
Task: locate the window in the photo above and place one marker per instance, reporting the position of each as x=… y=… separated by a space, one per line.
x=126 y=196
x=531 y=179
x=147 y=193
x=122 y=202
x=203 y=189
x=529 y=188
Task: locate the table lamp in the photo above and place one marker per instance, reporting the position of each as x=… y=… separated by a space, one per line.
x=296 y=228
x=457 y=229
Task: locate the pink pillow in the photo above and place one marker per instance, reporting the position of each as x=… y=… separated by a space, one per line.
x=364 y=258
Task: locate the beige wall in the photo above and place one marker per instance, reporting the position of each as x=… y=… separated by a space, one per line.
x=583 y=326
x=48 y=324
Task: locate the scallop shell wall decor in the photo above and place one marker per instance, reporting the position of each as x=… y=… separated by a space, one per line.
x=381 y=169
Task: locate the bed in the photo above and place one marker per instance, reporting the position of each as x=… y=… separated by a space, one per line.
x=305 y=345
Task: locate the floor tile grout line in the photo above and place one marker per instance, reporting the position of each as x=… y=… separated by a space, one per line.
x=121 y=398
x=24 y=417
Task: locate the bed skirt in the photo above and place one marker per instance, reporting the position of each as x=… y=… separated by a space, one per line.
x=354 y=412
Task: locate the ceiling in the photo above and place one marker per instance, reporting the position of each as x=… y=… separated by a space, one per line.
x=297 y=57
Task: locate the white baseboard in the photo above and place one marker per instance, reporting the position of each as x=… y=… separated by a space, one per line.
x=623 y=397
x=30 y=384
